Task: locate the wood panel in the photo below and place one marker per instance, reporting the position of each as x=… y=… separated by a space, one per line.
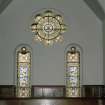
x=94 y=90
x=48 y=91
x=7 y=91
x=53 y=91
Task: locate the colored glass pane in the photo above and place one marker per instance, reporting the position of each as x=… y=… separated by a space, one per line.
x=73 y=73
x=23 y=72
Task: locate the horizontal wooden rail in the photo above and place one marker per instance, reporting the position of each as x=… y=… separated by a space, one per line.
x=53 y=91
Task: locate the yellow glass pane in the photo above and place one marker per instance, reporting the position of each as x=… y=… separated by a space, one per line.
x=58 y=17
x=73 y=64
x=24 y=57
x=73 y=57
x=23 y=82
x=73 y=92
x=23 y=92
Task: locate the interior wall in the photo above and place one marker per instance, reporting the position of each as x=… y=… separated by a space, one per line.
x=102 y=2
x=84 y=29
x=104 y=50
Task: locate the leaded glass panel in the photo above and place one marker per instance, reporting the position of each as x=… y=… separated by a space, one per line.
x=73 y=73
x=23 y=92
x=73 y=92
x=24 y=57
x=48 y=27
x=23 y=72
x=72 y=82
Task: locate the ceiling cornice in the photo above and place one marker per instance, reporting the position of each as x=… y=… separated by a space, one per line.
x=95 y=6
x=4 y=4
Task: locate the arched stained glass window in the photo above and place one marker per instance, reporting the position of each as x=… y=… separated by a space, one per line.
x=23 y=72
x=73 y=73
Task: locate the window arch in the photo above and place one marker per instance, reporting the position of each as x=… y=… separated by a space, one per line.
x=73 y=79
x=23 y=66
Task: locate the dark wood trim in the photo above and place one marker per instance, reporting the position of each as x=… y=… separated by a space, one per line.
x=56 y=91
x=51 y=86
x=7 y=90
x=48 y=91
x=6 y=86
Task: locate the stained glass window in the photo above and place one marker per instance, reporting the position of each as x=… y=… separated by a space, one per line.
x=23 y=72
x=48 y=27
x=73 y=73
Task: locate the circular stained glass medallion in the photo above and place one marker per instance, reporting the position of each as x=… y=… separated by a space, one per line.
x=48 y=27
